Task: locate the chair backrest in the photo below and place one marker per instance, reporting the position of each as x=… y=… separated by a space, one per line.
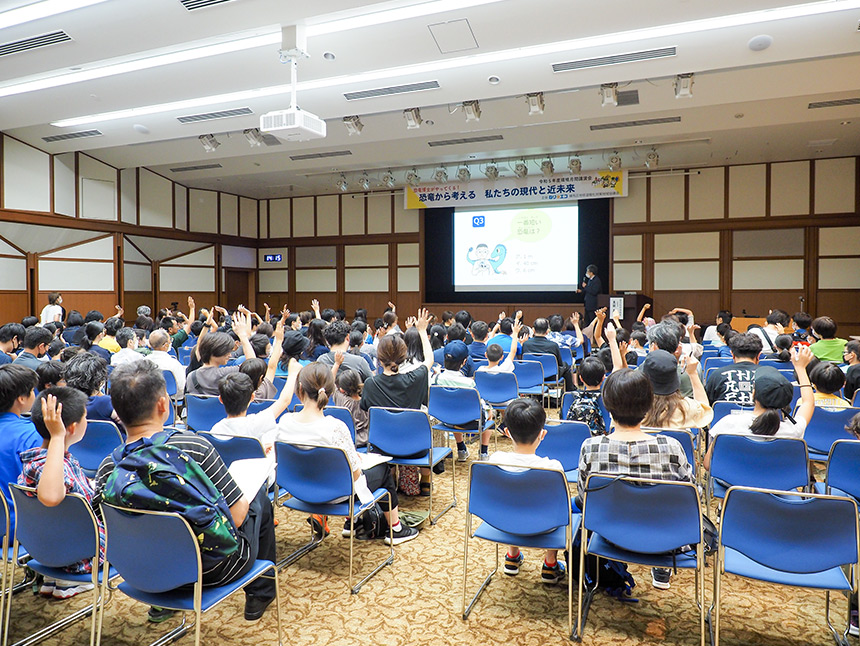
x=842 y=472
x=529 y=373
x=563 y=442
x=855 y=402
x=204 y=412
x=314 y=474
x=566 y=354
x=528 y=502
x=496 y=387
x=170 y=382
x=826 y=427
x=547 y=361
x=717 y=361
x=721 y=409
x=683 y=435
x=37 y=527
x=480 y=362
x=134 y=534
x=622 y=510
x=399 y=432
x=567 y=401
x=232 y=448
x=259 y=405
x=790 y=532
x=185 y=355
x=100 y=439
x=754 y=461
x=343 y=415
x=779 y=365
x=454 y=406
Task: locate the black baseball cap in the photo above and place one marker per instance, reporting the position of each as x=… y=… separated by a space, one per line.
x=661 y=368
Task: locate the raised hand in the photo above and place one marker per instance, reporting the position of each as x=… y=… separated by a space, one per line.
x=52 y=413
x=392 y=306
x=801 y=356
x=574 y=318
x=609 y=331
x=422 y=320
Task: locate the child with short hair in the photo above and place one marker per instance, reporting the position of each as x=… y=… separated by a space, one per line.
x=51 y=374
x=828 y=378
x=525 y=419
x=60 y=417
x=585 y=407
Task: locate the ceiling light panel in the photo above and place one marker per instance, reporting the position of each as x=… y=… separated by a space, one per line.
x=39 y=10
x=36 y=42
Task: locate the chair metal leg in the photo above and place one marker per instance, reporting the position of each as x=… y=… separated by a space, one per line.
x=718 y=569
x=841 y=640
x=453 y=502
x=357 y=587
x=586 y=594
x=486 y=582
x=301 y=551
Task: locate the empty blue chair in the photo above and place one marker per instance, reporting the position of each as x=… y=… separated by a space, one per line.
x=100 y=439
x=790 y=538
x=185 y=355
x=36 y=529
x=315 y=476
x=456 y=408
x=497 y=388
x=843 y=477
x=716 y=362
x=170 y=383
x=529 y=508
x=530 y=377
x=177 y=582
x=620 y=515
x=343 y=415
x=563 y=442
x=401 y=433
x=825 y=428
x=551 y=376
x=203 y=412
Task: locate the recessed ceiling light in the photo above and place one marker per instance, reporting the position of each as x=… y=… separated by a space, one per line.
x=844 y=123
x=140 y=128
x=329 y=56
x=494 y=80
x=429 y=122
x=760 y=43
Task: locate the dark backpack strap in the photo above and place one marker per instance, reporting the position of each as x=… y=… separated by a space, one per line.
x=765 y=335
x=193 y=381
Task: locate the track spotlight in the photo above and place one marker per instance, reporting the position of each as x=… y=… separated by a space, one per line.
x=615 y=161
x=536 y=103
x=388 y=179
x=441 y=175
x=575 y=165
x=413 y=118
x=254 y=137
x=521 y=170
x=353 y=125
x=609 y=94
x=463 y=174
x=472 y=110
x=547 y=168
x=342 y=184
x=492 y=172
x=684 y=86
x=364 y=182
x=209 y=143
x=412 y=178
x=652 y=159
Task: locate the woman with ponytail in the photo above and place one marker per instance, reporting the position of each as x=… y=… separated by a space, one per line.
x=94 y=331
x=772 y=394
x=314 y=385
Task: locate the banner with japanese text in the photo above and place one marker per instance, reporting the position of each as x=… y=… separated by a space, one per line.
x=527 y=190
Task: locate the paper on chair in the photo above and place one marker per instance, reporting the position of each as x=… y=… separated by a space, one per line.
x=251 y=474
x=370 y=460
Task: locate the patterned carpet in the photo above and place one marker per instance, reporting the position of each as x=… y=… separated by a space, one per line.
x=417 y=601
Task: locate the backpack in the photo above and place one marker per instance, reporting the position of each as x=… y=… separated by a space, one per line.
x=372 y=524
x=153 y=475
x=585 y=409
x=613 y=575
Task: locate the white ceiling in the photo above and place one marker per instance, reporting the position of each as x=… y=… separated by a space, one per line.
x=747 y=106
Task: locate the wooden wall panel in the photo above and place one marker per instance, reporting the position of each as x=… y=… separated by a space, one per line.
x=201 y=299
x=758 y=302
x=704 y=304
x=132 y=300
x=83 y=301
x=842 y=306
x=376 y=302
x=16 y=305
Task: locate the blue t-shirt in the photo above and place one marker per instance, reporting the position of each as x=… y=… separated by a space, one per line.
x=478 y=350
x=100 y=407
x=4 y=358
x=27 y=359
x=17 y=434
x=505 y=341
x=101 y=352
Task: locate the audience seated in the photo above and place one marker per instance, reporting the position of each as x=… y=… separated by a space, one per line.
x=851 y=355
x=35 y=347
x=159 y=341
x=827 y=379
x=827 y=346
x=734 y=382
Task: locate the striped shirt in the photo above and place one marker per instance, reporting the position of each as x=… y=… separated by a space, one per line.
x=201 y=451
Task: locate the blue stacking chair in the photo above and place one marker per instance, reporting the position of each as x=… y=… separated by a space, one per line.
x=343 y=414
x=790 y=538
x=170 y=382
x=455 y=408
x=498 y=389
x=563 y=442
x=685 y=437
x=551 y=377
x=7 y=566
x=619 y=514
x=480 y=362
x=566 y=355
x=567 y=402
x=530 y=377
x=315 y=476
x=843 y=477
x=825 y=428
x=232 y=448
x=752 y=461
x=100 y=439
x=529 y=508
x=177 y=582
x=723 y=408
x=185 y=355
x=203 y=412
x=855 y=402
x=36 y=529
x=401 y=432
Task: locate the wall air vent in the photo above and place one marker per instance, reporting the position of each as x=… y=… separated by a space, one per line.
x=35 y=42
x=635 y=123
x=185 y=169
x=464 y=140
x=80 y=134
x=615 y=59
x=834 y=104
x=210 y=116
x=628 y=97
x=394 y=89
x=336 y=153
x=191 y=5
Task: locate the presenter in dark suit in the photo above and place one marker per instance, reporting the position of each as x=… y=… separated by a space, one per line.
x=591 y=286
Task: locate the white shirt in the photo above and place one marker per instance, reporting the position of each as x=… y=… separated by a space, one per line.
x=772 y=334
x=738 y=423
x=712 y=336
x=517 y=462
x=124 y=356
x=172 y=365
x=49 y=312
x=260 y=425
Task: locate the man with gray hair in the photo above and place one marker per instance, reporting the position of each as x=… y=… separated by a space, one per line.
x=159 y=341
x=144 y=310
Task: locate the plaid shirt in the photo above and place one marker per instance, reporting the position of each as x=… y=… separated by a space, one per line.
x=657 y=458
x=76 y=482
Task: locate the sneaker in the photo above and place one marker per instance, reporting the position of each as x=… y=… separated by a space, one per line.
x=552 y=574
x=660 y=578
x=853 y=628
x=513 y=563
x=462 y=455
x=347 y=528
x=255 y=606
x=425 y=488
x=156 y=615
x=483 y=457
x=47 y=588
x=319 y=524
x=405 y=534
x=68 y=589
